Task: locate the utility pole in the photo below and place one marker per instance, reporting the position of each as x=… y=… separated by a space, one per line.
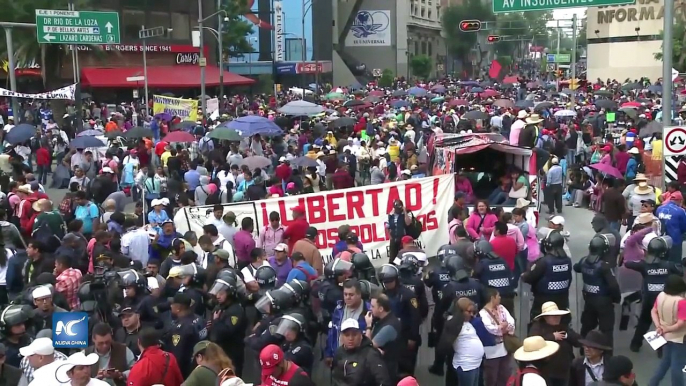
x=574 y=36
x=220 y=27
x=202 y=61
x=668 y=36
x=557 y=54
x=12 y=63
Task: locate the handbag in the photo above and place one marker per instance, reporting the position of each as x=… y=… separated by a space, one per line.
x=512 y=343
x=520 y=193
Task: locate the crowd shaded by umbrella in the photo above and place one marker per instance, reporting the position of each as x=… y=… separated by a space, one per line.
x=255 y=162
x=85 y=141
x=301 y=108
x=138 y=132
x=20 y=134
x=252 y=125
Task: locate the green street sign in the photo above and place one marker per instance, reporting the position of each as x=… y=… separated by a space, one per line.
x=563 y=58
x=504 y=6
x=77 y=27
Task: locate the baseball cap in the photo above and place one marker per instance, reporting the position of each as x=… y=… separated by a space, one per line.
x=676 y=196
x=222 y=254
x=652 y=202
x=40 y=346
x=200 y=346
x=282 y=159
x=281 y=247
x=270 y=357
x=127 y=311
x=406 y=240
x=107 y=169
x=617 y=366
x=557 y=220
x=299 y=209
x=350 y=323
x=311 y=232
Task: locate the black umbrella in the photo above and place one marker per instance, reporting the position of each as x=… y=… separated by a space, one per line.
x=476 y=114
x=304 y=162
x=631 y=86
x=85 y=95
x=606 y=104
x=524 y=104
x=651 y=128
x=605 y=93
x=318 y=128
x=543 y=106
x=630 y=112
x=372 y=99
x=282 y=121
x=344 y=122
x=353 y=103
x=399 y=93
x=114 y=134
x=138 y=132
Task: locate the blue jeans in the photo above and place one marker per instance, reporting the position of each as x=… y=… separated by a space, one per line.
x=520 y=266
x=616 y=225
x=497 y=197
x=43 y=174
x=674 y=360
x=571 y=157
x=467 y=378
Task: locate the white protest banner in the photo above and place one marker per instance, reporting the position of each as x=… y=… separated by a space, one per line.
x=66 y=93
x=212 y=105
x=365 y=209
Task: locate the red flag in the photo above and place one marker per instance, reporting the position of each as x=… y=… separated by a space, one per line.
x=494 y=71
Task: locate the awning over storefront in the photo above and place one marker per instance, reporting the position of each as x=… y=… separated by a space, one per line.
x=158 y=77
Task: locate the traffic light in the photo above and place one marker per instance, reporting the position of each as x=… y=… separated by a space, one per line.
x=470 y=25
x=493 y=39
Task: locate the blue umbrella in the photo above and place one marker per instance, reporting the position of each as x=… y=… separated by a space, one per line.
x=656 y=88
x=253 y=124
x=469 y=83
x=476 y=89
x=163 y=116
x=89 y=133
x=400 y=103
x=20 y=133
x=84 y=142
x=417 y=91
x=438 y=89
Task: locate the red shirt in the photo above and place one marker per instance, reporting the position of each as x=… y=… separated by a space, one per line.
x=342 y=179
x=149 y=369
x=283 y=172
x=506 y=248
x=42 y=157
x=295 y=231
x=159 y=148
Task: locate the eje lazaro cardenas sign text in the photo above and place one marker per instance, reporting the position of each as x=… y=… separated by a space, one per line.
x=502 y=6
x=77 y=27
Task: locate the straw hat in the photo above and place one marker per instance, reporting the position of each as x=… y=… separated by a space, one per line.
x=550 y=309
x=644 y=218
x=535 y=348
x=640 y=177
x=522 y=203
x=36 y=206
x=643 y=188
x=533 y=119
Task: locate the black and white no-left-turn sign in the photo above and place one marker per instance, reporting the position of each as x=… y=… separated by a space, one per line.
x=674 y=140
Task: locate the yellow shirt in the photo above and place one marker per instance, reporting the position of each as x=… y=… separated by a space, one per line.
x=164 y=157
x=656 y=153
x=394 y=151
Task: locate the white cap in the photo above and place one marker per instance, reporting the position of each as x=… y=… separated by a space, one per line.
x=107 y=169
x=282 y=159
x=557 y=220
x=281 y=247
x=406 y=172
x=41 y=292
x=350 y=323
x=40 y=346
x=156 y=202
x=153 y=283
x=164 y=201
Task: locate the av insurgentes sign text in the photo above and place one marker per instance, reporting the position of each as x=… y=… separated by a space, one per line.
x=280 y=49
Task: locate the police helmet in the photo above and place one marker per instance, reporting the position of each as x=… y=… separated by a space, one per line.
x=275 y=300
x=337 y=267
x=296 y=287
x=482 y=248
x=658 y=248
x=293 y=322
x=369 y=289
x=599 y=245
x=388 y=274
x=552 y=241
x=409 y=264
x=456 y=267
x=224 y=282
x=13 y=315
x=266 y=277
x=361 y=262
x=131 y=278
x=192 y=270
x=445 y=251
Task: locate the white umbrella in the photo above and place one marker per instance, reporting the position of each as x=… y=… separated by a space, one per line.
x=565 y=113
x=300 y=108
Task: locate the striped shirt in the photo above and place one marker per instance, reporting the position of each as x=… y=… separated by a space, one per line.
x=28 y=370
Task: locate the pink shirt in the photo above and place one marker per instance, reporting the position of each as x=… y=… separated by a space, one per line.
x=487 y=225
x=515 y=234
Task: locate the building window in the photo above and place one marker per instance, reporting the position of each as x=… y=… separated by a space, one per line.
x=423 y=12
x=430 y=15
x=160 y=19
x=182 y=26
x=430 y=48
x=132 y=20
x=416 y=47
x=411 y=9
x=423 y=48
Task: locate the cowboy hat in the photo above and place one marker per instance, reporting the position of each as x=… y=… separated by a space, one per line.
x=533 y=119
x=633 y=150
x=25 y=189
x=535 y=348
x=77 y=359
x=643 y=188
x=640 y=177
x=36 y=206
x=597 y=340
x=522 y=203
x=644 y=218
x=550 y=309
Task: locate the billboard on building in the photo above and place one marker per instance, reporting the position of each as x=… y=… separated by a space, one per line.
x=370 y=28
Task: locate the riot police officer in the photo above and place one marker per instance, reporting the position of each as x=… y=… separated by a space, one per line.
x=15 y=333
x=436 y=276
x=192 y=279
x=296 y=348
x=184 y=333
x=445 y=251
x=229 y=323
x=550 y=276
x=409 y=268
x=600 y=289
x=655 y=269
x=364 y=269
x=272 y=305
x=492 y=271
x=406 y=308
x=330 y=290
x=135 y=286
x=265 y=276
x=460 y=286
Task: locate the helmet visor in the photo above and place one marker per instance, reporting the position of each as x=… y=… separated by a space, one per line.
x=264 y=304
x=609 y=239
x=341 y=266
x=220 y=285
x=288 y=323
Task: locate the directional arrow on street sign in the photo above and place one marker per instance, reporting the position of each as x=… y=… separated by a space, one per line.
x=49 y=37
x=109 y=27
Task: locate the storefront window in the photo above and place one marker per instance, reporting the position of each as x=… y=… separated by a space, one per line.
x=182 y=26
x=160 y=19
x=132 y=21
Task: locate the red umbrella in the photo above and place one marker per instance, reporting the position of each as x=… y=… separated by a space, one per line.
x=510 y=80
x=631 y=104
x=458 y=102
x=377 y=93
x=179 y=136
x=489 y=93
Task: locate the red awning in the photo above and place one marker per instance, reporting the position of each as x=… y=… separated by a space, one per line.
x=158 y=77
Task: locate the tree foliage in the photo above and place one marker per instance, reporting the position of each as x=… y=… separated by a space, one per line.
x=678 y=40
x=236 y=30
x=461 y=43
x=530 y=26
x=386 y=79
x=421 y=66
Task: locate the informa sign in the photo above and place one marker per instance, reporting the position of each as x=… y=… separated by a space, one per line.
x=280 y=49
x=504 y=6
x=186 y=109
x=77 y=27
x=364 y=209
x=674 y=140
x=65 y=93
x=370 y=28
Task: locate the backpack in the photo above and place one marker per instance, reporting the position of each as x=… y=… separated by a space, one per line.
x=7 y=205
x=516 y=380
x=46 y=237
x=414 y=230
x=224 y=376
x=310 y=277
x=214 y=198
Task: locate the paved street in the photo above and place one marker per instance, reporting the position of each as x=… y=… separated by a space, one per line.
x=578 y=223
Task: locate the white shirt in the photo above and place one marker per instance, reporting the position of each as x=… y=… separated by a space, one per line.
x=597 y=369
x=321 y=168
x=3 y=270
x=533 y=380
x=248 y=271
x=131 y=160
x=469 y=351
x=497 y=351
x=134 y=244
x=222 y=243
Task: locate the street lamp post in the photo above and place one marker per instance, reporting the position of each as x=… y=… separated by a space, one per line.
x=305 y=10
x=220 y=27
x=144 y=34
x=203 y=60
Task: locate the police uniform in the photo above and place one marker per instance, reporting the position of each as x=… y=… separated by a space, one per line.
x=405 y=306
x=228 y=331
x=415 y=284
x=436 y=279
x=299 y=352
x=180 y=340
x=493 y=271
